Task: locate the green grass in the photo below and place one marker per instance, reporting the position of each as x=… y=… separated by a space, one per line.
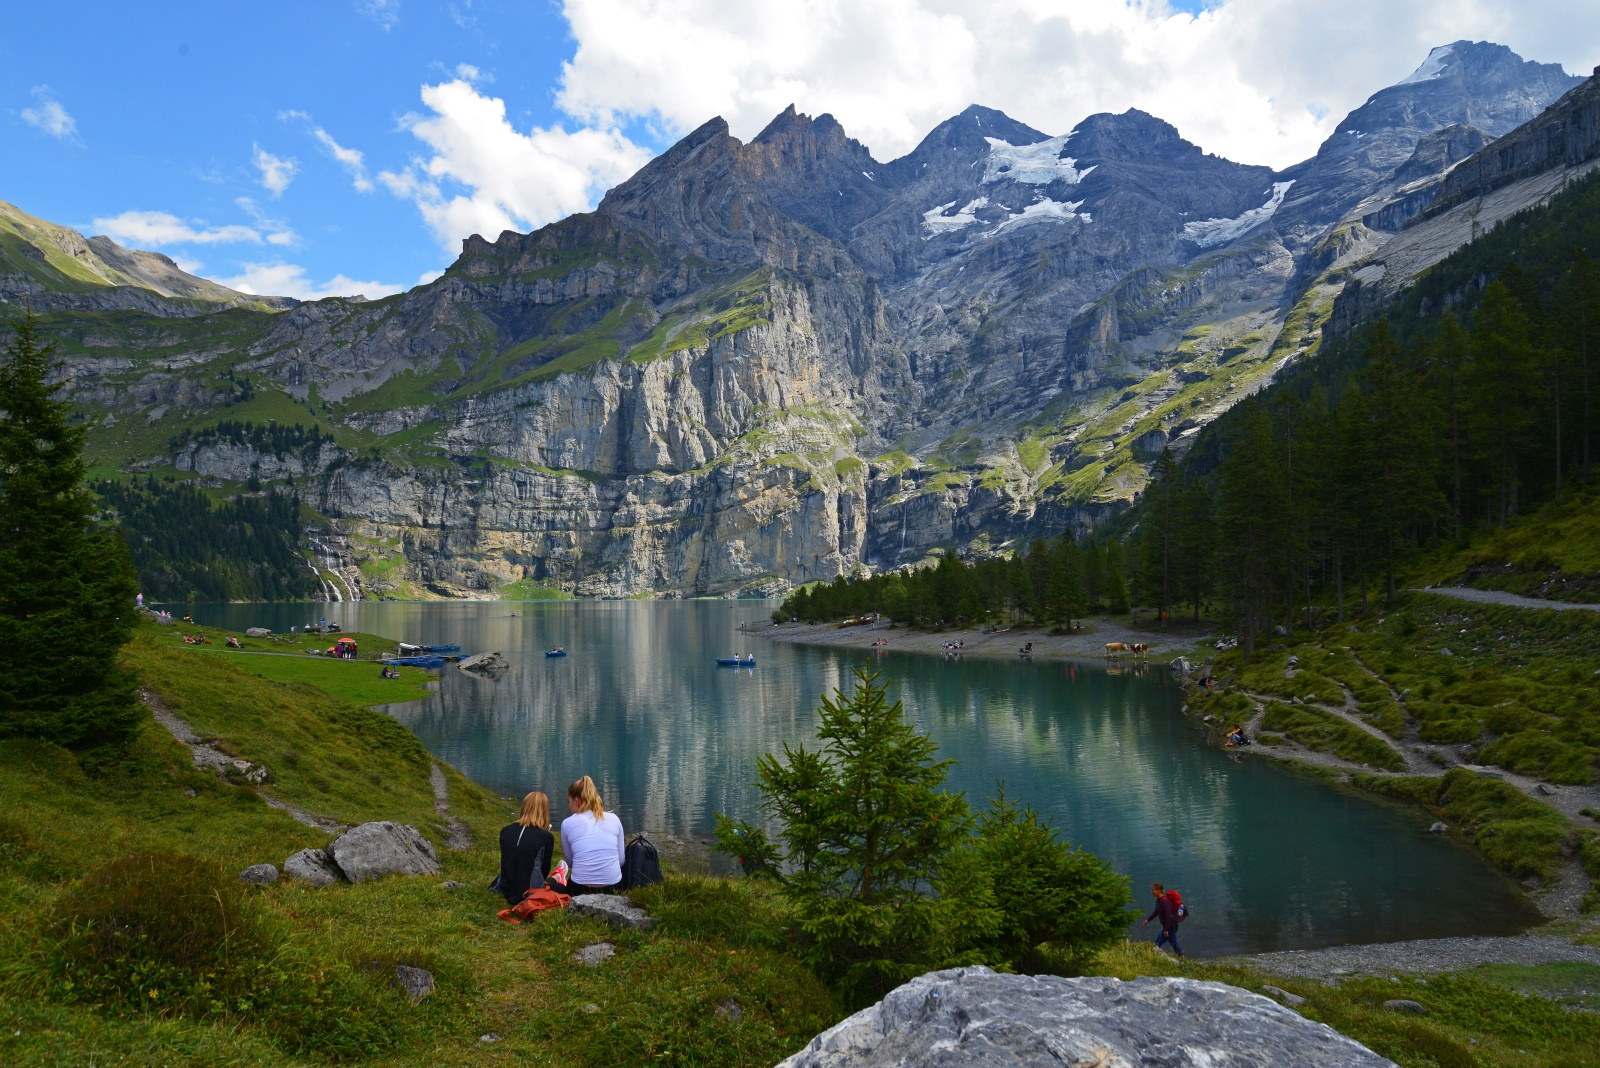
x=531 y=590
x=1554 y=552
x=1327 y=733
x=1475 y=1019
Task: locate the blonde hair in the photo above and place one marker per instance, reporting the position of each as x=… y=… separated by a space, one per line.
x=535 y=811
x=583 y=790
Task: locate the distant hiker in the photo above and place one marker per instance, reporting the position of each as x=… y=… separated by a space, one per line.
x=526 y=847
x=138 y=600
x=592 y=840
x=1171 y=912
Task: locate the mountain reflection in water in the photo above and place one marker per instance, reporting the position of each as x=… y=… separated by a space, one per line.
x=1266 y=857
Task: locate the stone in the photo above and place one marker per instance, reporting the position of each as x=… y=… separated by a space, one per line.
x=416 y=982
x=258 y=632
x=484 y=663
x=1293 y=660
x=260 y=874
x=591 y=1007
x=595 y=955
x=1446 y=651
x=614 y=909
x=489 y=1036
x=313 y=866
x=1284 y=996
x=450 y=884
x=1181 y=665
x=374 y=850
x=1406 y=1005
x=1545 y=790
x=729 y=1010
x=1439 y=827
x=974 y=1016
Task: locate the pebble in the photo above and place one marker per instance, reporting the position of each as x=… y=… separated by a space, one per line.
x=1406 y=1005
x=591 y=1007
x=450 y=884
x=729 y=1010
x=489 y=1037
x=1284 y=996
x=595 y=955
x=1439 y=828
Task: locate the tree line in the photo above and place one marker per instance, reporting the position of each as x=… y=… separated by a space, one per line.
x=1053 y=581
x=1323 y=491
x=186 y=548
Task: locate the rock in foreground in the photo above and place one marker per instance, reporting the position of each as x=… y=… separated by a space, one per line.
x=374 y=850
x=614 y=908
x=312 y=866
x=974 y=1016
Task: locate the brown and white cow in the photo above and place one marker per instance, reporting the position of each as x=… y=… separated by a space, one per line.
x=1112 y=648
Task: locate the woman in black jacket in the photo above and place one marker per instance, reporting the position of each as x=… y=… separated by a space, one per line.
x=526 y=847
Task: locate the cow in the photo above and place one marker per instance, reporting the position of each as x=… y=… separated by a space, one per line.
x=1140 y=648
x=1112 y=648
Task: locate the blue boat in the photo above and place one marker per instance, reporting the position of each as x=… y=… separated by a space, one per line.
x=733 y=661
x=441 y=648
x=415 y=661
x=555 y=652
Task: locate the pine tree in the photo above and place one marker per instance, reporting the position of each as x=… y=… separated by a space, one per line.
x=66 y=585
x=1580 y=307
x=1160 y=529
x=1194 y=544
x=1251 y=514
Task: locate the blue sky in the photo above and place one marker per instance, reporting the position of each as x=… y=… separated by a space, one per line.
x=348 y=146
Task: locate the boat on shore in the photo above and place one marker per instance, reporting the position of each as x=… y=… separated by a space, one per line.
x=415 y=661
x=441 y=648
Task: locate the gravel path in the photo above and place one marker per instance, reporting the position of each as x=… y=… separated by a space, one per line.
x=1467 y=593
x=1428 y=955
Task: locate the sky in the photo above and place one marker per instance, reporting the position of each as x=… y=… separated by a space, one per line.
x=348 y=146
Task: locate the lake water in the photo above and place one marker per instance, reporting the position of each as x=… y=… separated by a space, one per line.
x=1266 y=858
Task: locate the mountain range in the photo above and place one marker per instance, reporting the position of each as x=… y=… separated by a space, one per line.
x=758 y=364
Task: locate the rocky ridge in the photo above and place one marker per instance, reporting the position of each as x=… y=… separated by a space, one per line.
x=763 y=363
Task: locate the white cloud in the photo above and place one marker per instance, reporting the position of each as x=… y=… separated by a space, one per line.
x=277 y=231
x=509 y=179
x=289 y=280
x=350 y=159
x=1261 y=81
x=276 y=174
x=152 y=229
x=384 y=12
x=50 y=116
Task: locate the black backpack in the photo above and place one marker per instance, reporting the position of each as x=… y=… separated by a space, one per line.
x=641 y=864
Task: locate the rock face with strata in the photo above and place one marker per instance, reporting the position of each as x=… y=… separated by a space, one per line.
x=374 y=850
x=976 y=1017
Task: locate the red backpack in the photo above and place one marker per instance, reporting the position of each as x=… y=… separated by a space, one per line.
x=1182 y=910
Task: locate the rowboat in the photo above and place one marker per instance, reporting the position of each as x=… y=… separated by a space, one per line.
x=441 y=648
x=415 y=661
x=733 y=661
x=555 y=652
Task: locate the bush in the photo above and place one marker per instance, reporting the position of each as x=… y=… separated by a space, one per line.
x=158 y=932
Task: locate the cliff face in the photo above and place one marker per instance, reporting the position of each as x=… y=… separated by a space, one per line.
x=765 y=363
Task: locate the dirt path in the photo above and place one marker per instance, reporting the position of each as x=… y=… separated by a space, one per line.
x=990 y=643
x=1467 y=593
x=458 y=836
x=1427 y=955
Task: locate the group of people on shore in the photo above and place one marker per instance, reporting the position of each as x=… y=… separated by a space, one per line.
x=592 y=842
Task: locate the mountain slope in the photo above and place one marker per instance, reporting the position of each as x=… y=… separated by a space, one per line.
x=769 y=362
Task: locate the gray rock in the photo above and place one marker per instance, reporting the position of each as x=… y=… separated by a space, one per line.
x=484 y=663
x=1439 y=828
x=260 y=874
x=729 y=1010
x=1406 y=1005
x=973 y=1016
x=258 y=632
x=374 y=850
x=1446 y=651
x=489 y=1036
x=416 y=982
x=1181 y=665
x=614 y=909
x=595 y=955
x=1284 y=996
x=1545 y=791
x=450 y=884
x=312 y=866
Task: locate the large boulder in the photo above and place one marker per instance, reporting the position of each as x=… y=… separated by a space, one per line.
x=484 y=663
x=374 y=850
x=258 y=632
x=312 y=866
x=974 y=1016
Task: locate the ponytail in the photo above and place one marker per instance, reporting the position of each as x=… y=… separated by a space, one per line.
x=583 y=791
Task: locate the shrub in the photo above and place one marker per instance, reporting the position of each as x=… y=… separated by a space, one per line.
x=158 y=932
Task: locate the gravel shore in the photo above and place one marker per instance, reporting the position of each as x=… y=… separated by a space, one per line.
x=1003 y=643
x=1425 y=955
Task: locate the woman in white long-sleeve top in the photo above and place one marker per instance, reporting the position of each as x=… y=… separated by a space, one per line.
x=592 y=842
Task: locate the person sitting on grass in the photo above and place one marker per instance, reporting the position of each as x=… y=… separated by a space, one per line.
x=525 y=849
x=592 y=842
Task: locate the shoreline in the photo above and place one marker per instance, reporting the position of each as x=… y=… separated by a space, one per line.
x=1003 y=643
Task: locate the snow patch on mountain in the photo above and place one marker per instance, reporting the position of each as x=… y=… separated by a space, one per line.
x=937 y=222
x=1431 y=68
x=1036 y=164
x=1045 y=210
x=1214 y=232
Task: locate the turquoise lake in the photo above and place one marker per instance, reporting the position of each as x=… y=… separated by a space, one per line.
x=1266 y=858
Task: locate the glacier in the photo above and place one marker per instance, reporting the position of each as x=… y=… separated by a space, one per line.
x=937 y=222
x=1214 y=232
x=1036 y=164
x=1431 y=67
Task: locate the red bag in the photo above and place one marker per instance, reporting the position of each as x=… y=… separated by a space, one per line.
x=535 y=900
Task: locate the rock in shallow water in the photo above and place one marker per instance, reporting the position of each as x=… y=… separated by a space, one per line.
x=974 y=1016
x=374 y=850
